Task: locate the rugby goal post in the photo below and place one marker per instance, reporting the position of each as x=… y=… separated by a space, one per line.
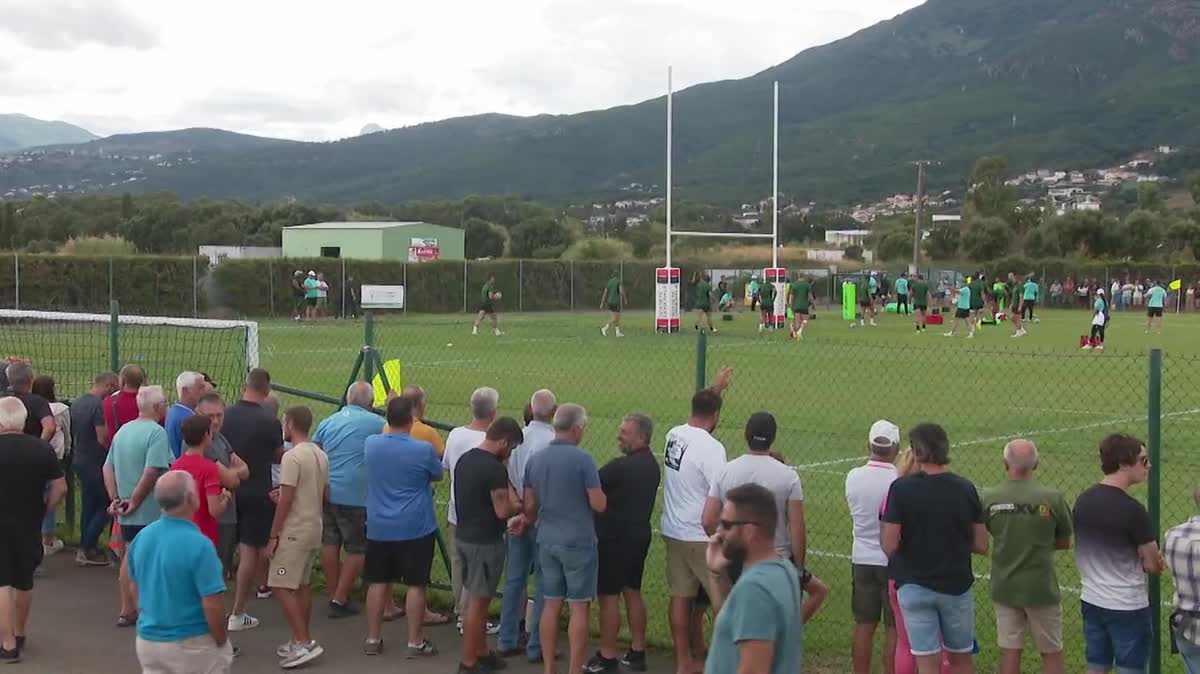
x=667 y=281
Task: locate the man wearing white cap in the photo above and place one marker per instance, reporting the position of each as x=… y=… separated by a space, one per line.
x=866 y=488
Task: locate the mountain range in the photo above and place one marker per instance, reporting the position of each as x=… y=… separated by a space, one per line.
x=18 y=132
x=1064 y=83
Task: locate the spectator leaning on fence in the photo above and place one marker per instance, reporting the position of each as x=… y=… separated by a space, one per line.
x=630 y=485
x=343 y=436
x=1181 y=547
x=758 y=628
x=562 y=490
x=180 y=588
x=31 y=482
x=692 y=463
x=484 y=403
x=522 y=548
x=932 y=524
x=90 y=439
x=866 y=488
x=1028 y=522
x=1114 y=549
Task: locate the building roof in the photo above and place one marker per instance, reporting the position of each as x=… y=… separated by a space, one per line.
x=359 y=225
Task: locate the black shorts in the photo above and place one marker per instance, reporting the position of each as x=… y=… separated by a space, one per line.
x=706 y=309
x=20 y=555
x=962 y=313
x=130 y=532
x=311 y=301
x=622 y=562
x=255 y=517
x=920 y=307
x=614 y=307
x=800 y=312
x=1031 y=303
x=487 y=308
x=865 y=305
x=405 y=562
x=1154 y=312
x=344 y=527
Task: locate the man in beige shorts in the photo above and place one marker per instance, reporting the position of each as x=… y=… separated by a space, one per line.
x=1028 y=523
x=296 y=535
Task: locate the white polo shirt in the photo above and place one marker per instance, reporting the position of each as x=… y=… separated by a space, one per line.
x=692 y=462
x=460 y=441
x=866 y=488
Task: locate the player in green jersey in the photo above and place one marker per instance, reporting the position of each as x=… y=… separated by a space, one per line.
x=766 y=305
x=918 y=292
x=488 y=296
x=1014 y=290
x=702 y=299
x=613 y=297
x=802 y=300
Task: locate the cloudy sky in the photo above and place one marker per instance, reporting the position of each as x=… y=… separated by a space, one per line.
x=321 y=70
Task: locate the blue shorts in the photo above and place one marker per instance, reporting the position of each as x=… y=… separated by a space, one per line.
x=936 y=621
x=569 y=571
x=1116 y=637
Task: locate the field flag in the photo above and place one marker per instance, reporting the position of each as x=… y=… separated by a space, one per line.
x=392 y=369
x=1175 y=285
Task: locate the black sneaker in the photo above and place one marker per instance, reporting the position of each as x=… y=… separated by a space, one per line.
x=339 y=610
x=601 y=665
x=493 y=661
x=479 y=668
x=8 y=657
x=20 y=643
x=634 y=660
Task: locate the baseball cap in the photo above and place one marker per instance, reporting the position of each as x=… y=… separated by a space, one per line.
x=311 y=272
x=884 y=434
x=760 y=430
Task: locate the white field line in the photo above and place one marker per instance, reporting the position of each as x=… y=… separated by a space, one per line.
x=1010 y=436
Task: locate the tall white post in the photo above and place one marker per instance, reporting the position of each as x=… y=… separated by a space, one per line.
x=775 y=187
x=670 y=103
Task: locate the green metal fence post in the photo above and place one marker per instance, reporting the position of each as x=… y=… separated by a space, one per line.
x=114 y=347
x=1154 y=449
x=701 y=358
x=368 y=343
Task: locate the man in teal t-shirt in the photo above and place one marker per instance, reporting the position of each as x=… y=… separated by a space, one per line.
x=1155 y=299
x=962 y=311
x=1030 y=298
x=902 y=295
x=312 y=292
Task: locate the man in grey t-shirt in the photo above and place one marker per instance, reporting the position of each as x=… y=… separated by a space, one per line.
x=219 y=450
x=562 y=490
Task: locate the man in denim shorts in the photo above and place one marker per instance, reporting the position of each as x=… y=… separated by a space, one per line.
x=932 y=524
x=562 y=490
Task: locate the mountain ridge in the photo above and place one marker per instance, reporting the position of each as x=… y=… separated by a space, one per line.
x=19 y=131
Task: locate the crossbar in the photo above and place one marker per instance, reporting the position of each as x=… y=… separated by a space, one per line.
x=728 y=235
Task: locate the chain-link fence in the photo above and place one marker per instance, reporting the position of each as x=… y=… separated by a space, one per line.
x=824 y=392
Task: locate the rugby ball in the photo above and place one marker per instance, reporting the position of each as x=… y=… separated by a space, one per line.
x=498 y=295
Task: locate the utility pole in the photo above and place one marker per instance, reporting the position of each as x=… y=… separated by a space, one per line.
x=916 y=255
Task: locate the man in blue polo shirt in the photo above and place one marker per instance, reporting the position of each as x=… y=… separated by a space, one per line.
x=401 y=526
x=181 y=593
x=343 y=436
x=190 y=387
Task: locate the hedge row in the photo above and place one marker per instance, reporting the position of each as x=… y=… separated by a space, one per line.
x=150 y=285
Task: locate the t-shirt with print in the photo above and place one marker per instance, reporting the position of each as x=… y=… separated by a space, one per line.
x=87 y=414
x=400 y=471
x=1156 y=296
x=800 y=294
x=866 y=488
x=36 y=409
x=630 y=484
x=764 y=605
x=559 y=477
x=780 y=480
x=937 y=515
x=692 y=462
x=26 y=465
x=460 y=441
x=306 y=468
x=208 y=483
x=1110 y=525
x=476 y=475
x=1025 y=519
x=139 y=445
x=220 y=451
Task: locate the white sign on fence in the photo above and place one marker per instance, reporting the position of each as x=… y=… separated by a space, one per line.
x=382 y=297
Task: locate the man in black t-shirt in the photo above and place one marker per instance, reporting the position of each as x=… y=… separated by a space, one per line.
x=623 y=532
x=39 y=421
x=484 y=501
x=932 y=523
x=89 y=435
x=27 y=467
x=256 y=436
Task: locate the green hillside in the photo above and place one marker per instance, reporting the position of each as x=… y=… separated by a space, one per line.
x=19 y=131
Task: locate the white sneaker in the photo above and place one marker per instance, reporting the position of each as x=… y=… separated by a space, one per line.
x=970 y=335
x=242 y=622
x=285 y=649
x=302 y=654
x=498 y=333
x=947 y=334
x=873 y=324
x=1086 y=347
x=53 y=548
x=619 y=333
x=1100 y=347
x=474 y=331
x=604 y=330
x=761 y=327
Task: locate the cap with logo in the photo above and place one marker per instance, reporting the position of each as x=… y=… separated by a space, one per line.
x=884 y=434
x=760 y=430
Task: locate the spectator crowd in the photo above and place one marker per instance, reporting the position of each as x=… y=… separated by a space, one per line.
x=196 y=494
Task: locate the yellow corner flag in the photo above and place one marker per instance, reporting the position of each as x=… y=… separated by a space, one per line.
x=1175 y=285
x=392 y=369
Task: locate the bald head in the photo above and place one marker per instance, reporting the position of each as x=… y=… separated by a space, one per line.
x=175 y=492
x=360 y=394
x=417 y=395
x=1021 y=457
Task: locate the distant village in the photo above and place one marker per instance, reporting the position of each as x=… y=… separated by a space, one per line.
x=126 y=168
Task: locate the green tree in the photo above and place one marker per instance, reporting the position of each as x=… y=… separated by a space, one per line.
x=988 y=196
x=943 y=242
x=1193 y=186
x=1151 y=197
x=1184 y=233
x=1141 y=235
x=896 y=242
x=8 y=225
x=482 y=239
x=540 y=237
x=987 y=239
x=126 y=206
x=1045 y=240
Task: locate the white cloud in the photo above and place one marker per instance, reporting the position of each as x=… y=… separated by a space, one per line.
x=323 y=70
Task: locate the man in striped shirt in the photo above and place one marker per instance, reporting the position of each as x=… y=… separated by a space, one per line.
x=1181 y=546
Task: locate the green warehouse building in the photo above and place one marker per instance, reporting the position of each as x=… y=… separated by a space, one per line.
x=411 y=241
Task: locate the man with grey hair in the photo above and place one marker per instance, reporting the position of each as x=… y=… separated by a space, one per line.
x=1181 y=546
x=39 y=421
x=139 y=455
x=522 y=550
x=562 y=491
x=190 y=387
x=343 y=436
x=180 y=587
x=31 y=482
x=1028 y=523
x=630 y=485
x=484 y=403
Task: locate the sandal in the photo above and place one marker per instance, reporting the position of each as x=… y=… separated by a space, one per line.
x=127 y=620
x=434 y=619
